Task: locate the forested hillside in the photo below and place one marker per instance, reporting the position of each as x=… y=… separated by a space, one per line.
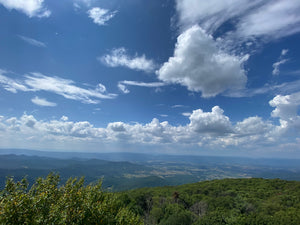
x=228 y=201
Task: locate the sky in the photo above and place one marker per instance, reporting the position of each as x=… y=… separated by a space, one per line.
x=161 y=76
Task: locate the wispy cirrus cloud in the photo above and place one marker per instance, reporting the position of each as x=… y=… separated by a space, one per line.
x=271 y=19
x=281 y=61
x=35 y=82
x=65 y=88
x=30 y=7
x=178 y=106
x=143 y=84
x=283 y=88
x=123 y=85
x=101 y=16
x=248 y=18
x=32 y=41
x=123 y=88
x=119 y=57
x=12 y=85
x=42 y=102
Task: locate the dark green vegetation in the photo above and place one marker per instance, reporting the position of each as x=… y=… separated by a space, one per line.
x=228 y=201
x=65 y=200
x=143 y=170
x=47 y=202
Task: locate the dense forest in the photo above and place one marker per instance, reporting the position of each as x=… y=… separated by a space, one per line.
x=227 y=201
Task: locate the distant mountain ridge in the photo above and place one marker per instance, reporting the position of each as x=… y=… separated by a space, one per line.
x=144 y=157
x=124 y=171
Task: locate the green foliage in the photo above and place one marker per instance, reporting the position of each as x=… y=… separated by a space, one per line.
x=228 y=201
x=46 y=202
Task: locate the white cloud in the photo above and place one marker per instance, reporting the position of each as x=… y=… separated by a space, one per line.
x=285 y=106
x=101 y=88
x=123 y=88
x=178 y=106
x=272 y=19
x=64 y=118
x=211 y=14
x=238 y=28
x=200 y=66
x=187 y=114
x=286 y=109
x=142 y=84
x=163 y=115
x=213 y=122
x=284 y=88
x=38 y=82
x=117 y=126
x=30 y=7
x=84 y=2
x=65 y=88
x=281 y=61
x=276 y=66
x=210 y=130
x=28 y=121
x=100 y=16
x=42 y=102
x=32 y=41
x=253 y=126
x=284 y=52
x=119 y=57
x=12 y=85
x=122 y=85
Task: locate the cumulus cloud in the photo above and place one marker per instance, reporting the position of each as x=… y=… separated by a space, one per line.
x=42 y=102
x=35 y=82
x=117 y=126
x=33 y=42
x=253 y=126
x=100 y=16
x=119 y=57
x=285 y=106
x=200 y=66
x=213 y=122
x=281 y=61
x=286 y=109
x=210 y=130
x=30 y=7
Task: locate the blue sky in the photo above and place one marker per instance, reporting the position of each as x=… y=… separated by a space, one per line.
x=172 y=76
